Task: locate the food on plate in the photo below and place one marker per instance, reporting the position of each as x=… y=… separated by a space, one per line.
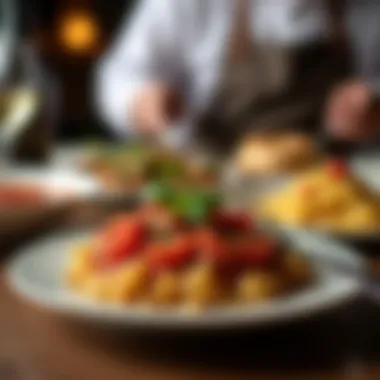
x=130 y=167
x=274 y=152
x=328 y=197
x=184 y=250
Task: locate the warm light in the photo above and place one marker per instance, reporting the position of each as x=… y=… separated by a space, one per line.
x=79 y=31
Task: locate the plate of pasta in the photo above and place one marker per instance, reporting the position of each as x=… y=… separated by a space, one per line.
x=329 y=198
x=183 y=260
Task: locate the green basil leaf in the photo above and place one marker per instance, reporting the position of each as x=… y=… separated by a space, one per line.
x=157 y=192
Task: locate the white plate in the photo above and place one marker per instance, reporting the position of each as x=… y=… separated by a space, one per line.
x=37 y=274
x=366 y=167
x=57 y=184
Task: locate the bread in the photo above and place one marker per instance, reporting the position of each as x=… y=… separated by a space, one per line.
x=275 y=153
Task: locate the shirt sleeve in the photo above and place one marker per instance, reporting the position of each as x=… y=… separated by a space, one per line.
x=146 y=49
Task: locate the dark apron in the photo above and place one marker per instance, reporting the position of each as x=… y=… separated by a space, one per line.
x=315 y=69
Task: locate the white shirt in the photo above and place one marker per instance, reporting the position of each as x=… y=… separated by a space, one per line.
x=181 y=42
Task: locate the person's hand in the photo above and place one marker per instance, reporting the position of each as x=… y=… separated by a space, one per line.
x=352 y=112
x=155 y=107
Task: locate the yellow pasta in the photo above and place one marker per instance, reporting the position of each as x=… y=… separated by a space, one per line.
x=258 y=286
x=166 y=289
x=326 y=199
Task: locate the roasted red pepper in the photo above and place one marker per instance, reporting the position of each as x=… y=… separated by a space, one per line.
x=253 y=251
x=170 y=255
x=211 y=247
x=231 y=221
x=122 y=239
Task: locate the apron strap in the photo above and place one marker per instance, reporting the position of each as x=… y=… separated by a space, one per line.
x=219 y=124
x=336 y=12
x=240 y=39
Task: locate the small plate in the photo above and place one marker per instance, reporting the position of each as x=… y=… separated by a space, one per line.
x=56 y=184
x=37 y=273
x=258 y=189
x=367 y=167
x=58 y=187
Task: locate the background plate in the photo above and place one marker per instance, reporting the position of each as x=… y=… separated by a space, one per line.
x=58 y=184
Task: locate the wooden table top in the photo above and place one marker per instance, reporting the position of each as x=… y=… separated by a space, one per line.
x=38 y=345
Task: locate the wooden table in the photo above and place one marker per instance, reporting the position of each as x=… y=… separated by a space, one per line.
x=35 y=344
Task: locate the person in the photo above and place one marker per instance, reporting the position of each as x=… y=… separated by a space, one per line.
x=233 y=65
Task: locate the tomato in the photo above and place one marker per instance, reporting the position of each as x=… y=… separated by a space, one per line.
x=338 y=169
x=171 y=255
x=120 y=240
x=211 y=247
x=254 y=251
x=231 y=221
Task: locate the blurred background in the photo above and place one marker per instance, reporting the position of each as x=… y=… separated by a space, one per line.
x=48 y=53
x=65 y=38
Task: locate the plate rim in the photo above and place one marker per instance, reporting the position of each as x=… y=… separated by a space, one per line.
x=136 y=316
x=81 y=184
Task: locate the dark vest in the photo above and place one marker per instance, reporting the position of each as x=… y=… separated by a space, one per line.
x=314 y=70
